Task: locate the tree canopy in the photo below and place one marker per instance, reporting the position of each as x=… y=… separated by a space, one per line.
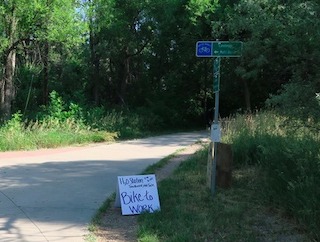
x=141 y=54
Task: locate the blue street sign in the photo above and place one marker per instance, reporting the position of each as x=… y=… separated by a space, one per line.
x=204 y=49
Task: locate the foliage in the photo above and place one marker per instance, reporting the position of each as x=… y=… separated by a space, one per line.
x=58 y=111
x=139 y=55
x=64 y=123
x=31 y=34
x=58 y=125
x=14 y=124
x=289 y=156
x=12 y=135
x=279 y=44
x=298 y=100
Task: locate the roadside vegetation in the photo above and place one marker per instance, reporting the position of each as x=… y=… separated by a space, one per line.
x=287 y=152
x=62 y=124
x=274 y=196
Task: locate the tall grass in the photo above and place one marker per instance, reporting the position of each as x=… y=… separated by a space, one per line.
x=16 y=134
x=61 y=124
x=56 y=125
x=288 y=154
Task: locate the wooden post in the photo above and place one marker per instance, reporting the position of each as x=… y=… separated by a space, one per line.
x=224 y=159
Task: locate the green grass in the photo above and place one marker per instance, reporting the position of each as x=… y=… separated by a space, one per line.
x=96 y=221
x=97 y=218
x=189 y=212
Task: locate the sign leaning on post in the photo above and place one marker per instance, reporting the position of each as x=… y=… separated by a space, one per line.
x=217 y=49
x=137 y=194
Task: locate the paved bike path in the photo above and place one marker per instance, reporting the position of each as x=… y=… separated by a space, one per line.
x=51 y=195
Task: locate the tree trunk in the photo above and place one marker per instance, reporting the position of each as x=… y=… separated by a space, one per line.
x=94 y=63
x=125 y=78
x=45 y=87
x=7 y=91
x=247 y=95
x=7 y=86
x=95 y=69
x=127 y=75
x=95 y=79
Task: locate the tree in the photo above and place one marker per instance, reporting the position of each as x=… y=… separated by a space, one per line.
x=120 y=32
x=9 y=29
x=141 y=52
x=279 y=42
x=32 y=21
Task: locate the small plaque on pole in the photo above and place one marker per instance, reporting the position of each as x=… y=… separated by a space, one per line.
x=215 y=133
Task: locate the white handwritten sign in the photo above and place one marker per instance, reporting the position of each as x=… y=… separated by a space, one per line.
x=138 y=194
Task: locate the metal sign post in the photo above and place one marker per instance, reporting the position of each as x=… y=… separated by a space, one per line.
x=216 y=75
x=216 y=90
x=217 y=49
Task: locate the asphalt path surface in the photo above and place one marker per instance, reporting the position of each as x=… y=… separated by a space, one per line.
x=52 y=194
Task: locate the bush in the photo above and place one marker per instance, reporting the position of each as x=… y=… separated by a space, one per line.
x=58 y=115
x=13 y=135
x=298 y=100
x=127 y=124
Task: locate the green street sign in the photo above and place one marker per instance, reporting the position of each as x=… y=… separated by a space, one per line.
x=226 y=48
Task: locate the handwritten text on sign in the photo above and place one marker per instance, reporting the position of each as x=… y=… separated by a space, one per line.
x=138 y=194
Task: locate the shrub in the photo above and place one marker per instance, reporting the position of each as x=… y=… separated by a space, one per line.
x=298 y=100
